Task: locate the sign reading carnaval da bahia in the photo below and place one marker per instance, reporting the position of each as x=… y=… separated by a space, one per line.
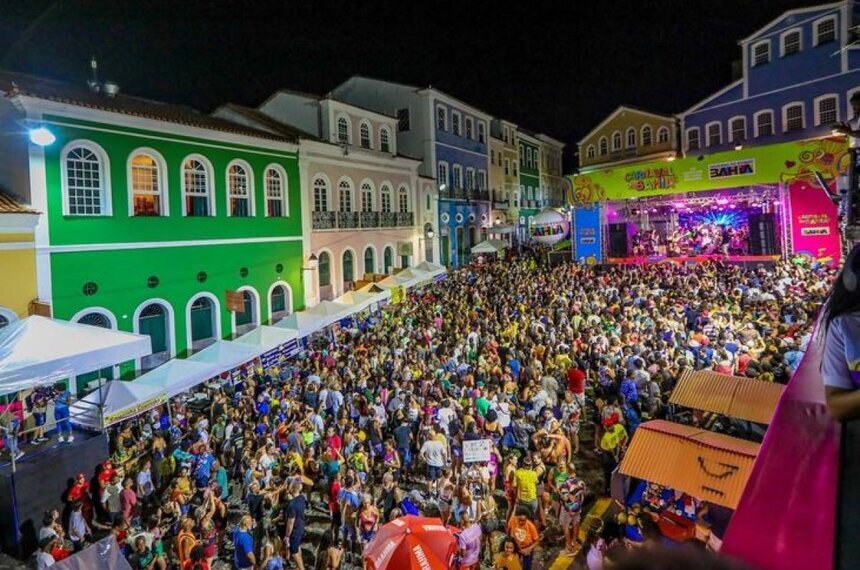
x=647 y=179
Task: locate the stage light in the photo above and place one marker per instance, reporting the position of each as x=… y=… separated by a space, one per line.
x=722 y=201
x=679 y=205
x=42 y=136
x=739 y=146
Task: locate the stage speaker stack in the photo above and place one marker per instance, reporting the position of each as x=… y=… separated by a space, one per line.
x=763 y=234
x=618 y=246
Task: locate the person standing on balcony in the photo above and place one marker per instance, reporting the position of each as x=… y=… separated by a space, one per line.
x=840 y=365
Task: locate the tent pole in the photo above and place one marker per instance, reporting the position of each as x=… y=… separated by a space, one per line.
x=9 y=432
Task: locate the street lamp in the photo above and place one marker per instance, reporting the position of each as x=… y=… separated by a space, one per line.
x=42 y=137
x=312 y=262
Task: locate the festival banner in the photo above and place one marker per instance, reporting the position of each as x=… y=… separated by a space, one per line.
x=814 y=224
x=803 y=160
x=587 y=247
x=137 y=409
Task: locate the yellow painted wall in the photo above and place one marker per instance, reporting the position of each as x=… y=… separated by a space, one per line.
x=17 y=273
x=622 y=122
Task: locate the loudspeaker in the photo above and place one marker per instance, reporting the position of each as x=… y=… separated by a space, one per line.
x=618 y=246
x=763 y=234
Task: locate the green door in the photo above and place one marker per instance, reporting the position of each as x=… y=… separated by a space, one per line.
x=444 y=251
x=245 y=316
x=153 y=322
x=81 y=382
x=201 y=320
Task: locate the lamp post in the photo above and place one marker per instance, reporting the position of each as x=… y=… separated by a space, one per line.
x=429 y=234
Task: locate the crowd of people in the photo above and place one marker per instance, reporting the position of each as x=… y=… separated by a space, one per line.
x=693 y=238
x=371 y=423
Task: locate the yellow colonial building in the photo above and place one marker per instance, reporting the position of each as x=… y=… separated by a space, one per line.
x=17 y=259
x=629 y=135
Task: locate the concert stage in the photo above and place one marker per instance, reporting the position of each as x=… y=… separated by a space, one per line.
x=745 y=260
x=42 y=476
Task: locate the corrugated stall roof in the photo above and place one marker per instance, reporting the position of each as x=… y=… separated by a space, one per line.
x=733 y=396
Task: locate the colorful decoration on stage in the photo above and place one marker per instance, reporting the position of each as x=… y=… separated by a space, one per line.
x=814 y=223
x=588 y=242
x=769 y=164
x=549 y=227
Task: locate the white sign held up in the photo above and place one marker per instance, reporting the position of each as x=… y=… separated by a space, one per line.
x=477 y=450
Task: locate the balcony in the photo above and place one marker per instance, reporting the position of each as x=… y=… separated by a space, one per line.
x=463 y=194
x=369 y=219
x=347 y=220
x=324 y=220
x=388 y=219
x=405 y=219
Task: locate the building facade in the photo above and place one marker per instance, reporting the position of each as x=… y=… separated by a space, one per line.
x=799 y=73
x=629 y=135
x=452 y=140
x=17 y=253
x=504 y=173
x=551 y=180
x=530 y=197
x=361 y=196
x=151 y=212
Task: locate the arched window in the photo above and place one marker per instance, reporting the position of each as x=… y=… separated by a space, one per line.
x=343 y=130
x=345 y=196
x=203 y=323
x=324 y=268
x=276 y=192
x=616 y=141
x=646 y=135
x=604 y=146
x=663 y=135
x=278 y=303
x=348 y=269
x=385 y=193
x=384 y=140
x=147 y=183
x=403 y=200
x=369 y=261
x=153 y=322
x=631 y=138
x=82 y=382
x=366 y=197
x=364 y=135
x=87 y=184
x=590 y=153
x=320 y=195
x=239 y=190
x=388 y=258
x=95 y=320
x=247 y=319
x=196 y=188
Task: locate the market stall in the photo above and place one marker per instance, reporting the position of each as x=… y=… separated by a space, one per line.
x=177 y=376
x=115 y=402
x=737 y=397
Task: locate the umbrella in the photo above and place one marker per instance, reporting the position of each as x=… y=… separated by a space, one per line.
x=411 y=543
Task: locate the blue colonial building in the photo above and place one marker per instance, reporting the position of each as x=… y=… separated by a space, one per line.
x=799 y=72
x=452 y=140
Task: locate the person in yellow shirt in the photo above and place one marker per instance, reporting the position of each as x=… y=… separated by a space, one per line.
x=525 y=486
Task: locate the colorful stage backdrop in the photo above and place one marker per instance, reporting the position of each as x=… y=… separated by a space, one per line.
x=587 y=238
x=814 y=223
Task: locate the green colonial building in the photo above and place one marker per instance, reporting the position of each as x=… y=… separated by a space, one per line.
x=151 y=214
x=531 y=200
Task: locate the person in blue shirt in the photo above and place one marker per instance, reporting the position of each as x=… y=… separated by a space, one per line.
x=243 y=545
x=61 y=412
x=628 y=390
x=204 y=469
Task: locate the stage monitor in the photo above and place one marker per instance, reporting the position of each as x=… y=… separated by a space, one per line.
x=763 y=234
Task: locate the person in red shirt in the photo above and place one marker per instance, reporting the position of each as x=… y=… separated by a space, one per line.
x=576 y=383
x=334 y=505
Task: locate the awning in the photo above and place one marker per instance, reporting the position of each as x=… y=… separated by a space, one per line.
x=39 y=350
x=328 y=308
x=177 y=376
x=227 y=355
x=710 y=466
x=732 y=396
x=266 y=338
x=117 y=401
x=358 y=301
x=490 y=246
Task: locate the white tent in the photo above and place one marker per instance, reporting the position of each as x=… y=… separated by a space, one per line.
x=38 y=350
x=375 y=289
x=430 y=267
x=267 y=338
x=490 y=246
x=227 y=355
x=401 y=279
x=178 y=375
x=329 y=309
x=358 y=300
x=304 y=323
x=104 y=554
x=117 y=401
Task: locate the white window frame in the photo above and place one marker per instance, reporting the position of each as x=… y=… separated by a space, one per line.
x=785 y=115
x=708 y=126
x=161 y=173
x=630 y=131
x=249 y=172
x=482 y=132
x=469 y=181
x=698 y=138
x=616 y=135
x=457 y=176
x=456 y=125
x=507 y=167
x=447 y=180
x=285 y=195
x=481 y=179
x=590 y=151
x=385 y=190
x=345 y=117
x=384 y=130
x=731 y=131
x=104 y=176
x=444 y=116
x=351 y=188
x=664 y=129
x=753 y=56
x=816 y=110
x=646 y=127
x=401 y=192
x=210 y=183
x=365 y=123
x=785 y=34
x=327 y=192
x=603 y=146
x=818 y=22
x=756 y=115
x=361 y=188
x=469 y=128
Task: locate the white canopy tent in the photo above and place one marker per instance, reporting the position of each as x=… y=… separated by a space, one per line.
x=329 y=309
x=176 y=376
x=266 y=338
x=38 y=350
x=358 y=301
x=226 y=355
x=490 y=246
x=375 y=289
x=430 y=267
x=117 y=400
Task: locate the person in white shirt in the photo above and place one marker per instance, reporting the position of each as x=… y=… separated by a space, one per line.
x=79 y=530
x=43 y=558
x=444 y=416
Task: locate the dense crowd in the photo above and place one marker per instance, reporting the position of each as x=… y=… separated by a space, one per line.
x=371 y=422
x=693 y=238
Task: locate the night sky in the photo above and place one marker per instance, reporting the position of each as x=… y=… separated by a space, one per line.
x=552 y=67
